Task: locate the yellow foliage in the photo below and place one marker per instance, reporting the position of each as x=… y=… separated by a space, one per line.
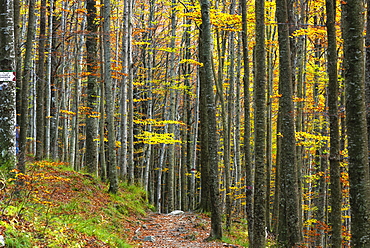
x=157 y=138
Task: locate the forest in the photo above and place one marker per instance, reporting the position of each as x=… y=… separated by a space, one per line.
x=246 y=109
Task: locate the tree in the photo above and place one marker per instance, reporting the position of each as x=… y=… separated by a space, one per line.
x=259 y=222
x=7 y=85
x=288 y=230
x=353 y=25
x=40 y=89
x=26 y=77
x=367 y=80
x=334 y=157
x=92 y=69
x=247 y=126
x=112 y=168
x=206 y=85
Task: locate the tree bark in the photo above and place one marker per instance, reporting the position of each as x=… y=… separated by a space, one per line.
x=247 y=126
x=206 y=82
x=335 y=217
x=7 y=88
x=24 y=120
x=40 y=86
x=353 y=26
x=259 y=222
x=112 y=168
x=289 y=227
x=92 y=91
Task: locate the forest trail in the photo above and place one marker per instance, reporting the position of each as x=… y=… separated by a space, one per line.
x=186 y=229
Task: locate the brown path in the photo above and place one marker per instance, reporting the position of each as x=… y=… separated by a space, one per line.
x=172 y=231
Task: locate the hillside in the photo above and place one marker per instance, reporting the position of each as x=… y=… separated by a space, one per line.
x=58 y=207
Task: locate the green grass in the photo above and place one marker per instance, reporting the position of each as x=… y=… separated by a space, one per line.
x=69 y=209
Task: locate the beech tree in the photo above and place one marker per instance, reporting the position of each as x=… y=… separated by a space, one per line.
x=353 y=26
x=259 y=222
x=334 y=157
x=92 y=87
x=247 y=125
x=210 y=143
x=7 y=86
x=112 y=168
x=288 y=226
x=26 y=77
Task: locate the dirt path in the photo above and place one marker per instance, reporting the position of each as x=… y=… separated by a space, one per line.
x=171 y=231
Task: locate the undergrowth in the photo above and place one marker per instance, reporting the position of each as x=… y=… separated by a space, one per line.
x=53 y=206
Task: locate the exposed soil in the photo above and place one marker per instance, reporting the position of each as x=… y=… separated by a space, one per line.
x=171 y=231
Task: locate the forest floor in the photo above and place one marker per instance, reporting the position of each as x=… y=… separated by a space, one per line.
x=175 y=230
x=59 y=207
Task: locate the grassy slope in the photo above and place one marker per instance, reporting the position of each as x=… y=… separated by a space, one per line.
x=58 y=207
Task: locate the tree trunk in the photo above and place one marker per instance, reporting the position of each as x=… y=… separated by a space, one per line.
x=24 y=120
x=289 y=226
x=8 y=130
x=92 y=91
x=207 y=85
x=335 y=217
x=247 y=126
x=112 y=168
x=353 y=26
x=260 y=130
x=40 y=86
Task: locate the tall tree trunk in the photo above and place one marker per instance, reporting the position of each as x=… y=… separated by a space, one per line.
x=130 y=103
x=260 y=130
x=367 y=78
x=7 y=86
x=289 y=227
x=335 y=217
x=92 y=91
x=112 y=168
x=247 y=128
x=205 y=201
x=353 y=26
x=40 y=85
x=24 y=120
x=206 y=82
x=49 y=149
x=172 y=114
x=18 y=55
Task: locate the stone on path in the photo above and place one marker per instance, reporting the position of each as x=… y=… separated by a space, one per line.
x=176 y=212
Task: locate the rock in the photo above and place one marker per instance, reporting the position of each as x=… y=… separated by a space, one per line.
x=149 y=239
x=229 y=245
x=2 y=241
x=176 y=212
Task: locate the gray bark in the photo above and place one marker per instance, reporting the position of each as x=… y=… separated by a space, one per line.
x=92 y=87
x=289 y=226
x=353 y=26
x=259 y=223
x=335 y=216
x=24 y=119
x=112 y=169
x=207 y=85
x=7 y=88
x=247 y=126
